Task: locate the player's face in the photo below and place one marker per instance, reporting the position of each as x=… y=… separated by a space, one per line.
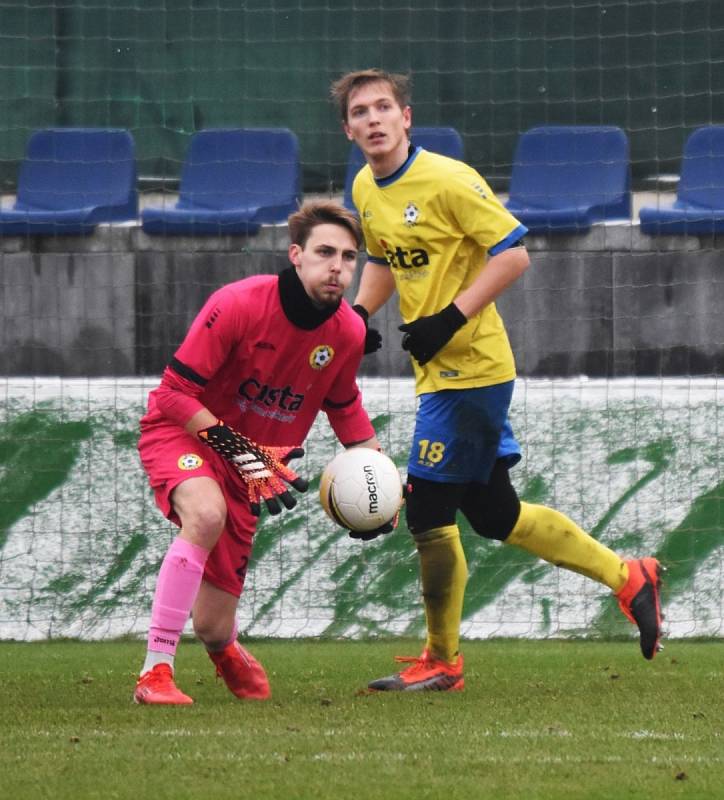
x=379 y=126
x=326 y=263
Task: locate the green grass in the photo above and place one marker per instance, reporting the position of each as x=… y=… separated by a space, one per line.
x=537 y=720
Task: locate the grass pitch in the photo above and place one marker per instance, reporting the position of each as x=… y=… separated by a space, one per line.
x=556 y=719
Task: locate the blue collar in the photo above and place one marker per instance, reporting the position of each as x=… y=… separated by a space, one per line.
x=413 y=153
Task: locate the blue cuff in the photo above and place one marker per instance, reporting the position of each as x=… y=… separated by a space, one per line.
x=509 y=240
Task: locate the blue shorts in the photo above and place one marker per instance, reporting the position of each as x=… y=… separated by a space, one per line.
x=461 y=433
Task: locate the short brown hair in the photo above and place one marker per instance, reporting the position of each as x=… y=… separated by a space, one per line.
x=322 y=212
x=401 y=86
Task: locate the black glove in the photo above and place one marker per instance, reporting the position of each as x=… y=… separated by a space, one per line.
x=426 y=335
x=388 y=527
x=373 y=338
x=367 y=536
x=260 y=467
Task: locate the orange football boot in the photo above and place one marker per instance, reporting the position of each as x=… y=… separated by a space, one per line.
x=426 y=673
x=640 y=601
x=156 y=688
x=241 y=672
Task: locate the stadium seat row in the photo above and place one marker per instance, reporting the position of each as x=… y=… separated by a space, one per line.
x=233 y=181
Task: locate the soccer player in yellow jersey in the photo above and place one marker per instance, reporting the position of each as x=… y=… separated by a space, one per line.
x=436 y=232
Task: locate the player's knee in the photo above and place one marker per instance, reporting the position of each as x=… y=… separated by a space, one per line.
x=420 y=520
x=201 y=508
x=492 y=509
x=430 y=505
x=204 y=522
x=498 y=523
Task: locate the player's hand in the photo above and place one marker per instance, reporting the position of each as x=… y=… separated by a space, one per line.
x=388 y=527
x=427 y=335
x=368 y=536
x=261 y=468
x=373 y=338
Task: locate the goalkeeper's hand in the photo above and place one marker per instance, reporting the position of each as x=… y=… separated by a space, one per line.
x=260 y=467
x=368 y=536
x=373 y=338
x=427 y=335
x=388 y=527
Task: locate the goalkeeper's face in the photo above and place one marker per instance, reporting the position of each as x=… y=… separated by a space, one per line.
x=326 y=263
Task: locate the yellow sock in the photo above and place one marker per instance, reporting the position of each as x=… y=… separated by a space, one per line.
x=444 y=573
x=550 y=535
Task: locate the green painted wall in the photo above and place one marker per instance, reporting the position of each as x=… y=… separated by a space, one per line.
x=635 y=462
x=491 y=69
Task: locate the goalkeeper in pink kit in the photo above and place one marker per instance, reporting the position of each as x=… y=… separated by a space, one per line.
x=262 y=358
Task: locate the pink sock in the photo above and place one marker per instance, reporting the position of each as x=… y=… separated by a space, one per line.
x=178 y=584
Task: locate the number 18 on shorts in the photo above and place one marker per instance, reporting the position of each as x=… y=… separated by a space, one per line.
x=460 y=433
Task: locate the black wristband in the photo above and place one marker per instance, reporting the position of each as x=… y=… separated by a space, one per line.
x=362 y=311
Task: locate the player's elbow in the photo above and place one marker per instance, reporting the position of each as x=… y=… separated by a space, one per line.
x=522 y=260
x=512 y=262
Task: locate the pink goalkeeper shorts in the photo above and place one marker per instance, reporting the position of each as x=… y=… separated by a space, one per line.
x=170 y=456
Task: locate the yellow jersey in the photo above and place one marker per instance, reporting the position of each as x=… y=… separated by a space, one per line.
x=435 y=222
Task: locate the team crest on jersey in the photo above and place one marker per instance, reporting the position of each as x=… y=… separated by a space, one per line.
x=321 y=356
x=190 y=461
x=411 y=215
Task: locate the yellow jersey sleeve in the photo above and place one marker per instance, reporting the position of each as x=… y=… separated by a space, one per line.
x=477 y=210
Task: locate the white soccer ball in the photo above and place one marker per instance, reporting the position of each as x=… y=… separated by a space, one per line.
x=360 y=489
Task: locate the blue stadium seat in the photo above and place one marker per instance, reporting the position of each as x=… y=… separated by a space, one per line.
x=233 y=182
x=565 y=178
x=446 y=141
x=70 y=180
x=699 y=205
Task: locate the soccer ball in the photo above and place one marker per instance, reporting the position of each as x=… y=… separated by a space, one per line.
x=360 y=489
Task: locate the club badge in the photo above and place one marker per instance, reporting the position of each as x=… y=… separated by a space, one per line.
x=190 y=461
x=411 y=215
x=321 y=356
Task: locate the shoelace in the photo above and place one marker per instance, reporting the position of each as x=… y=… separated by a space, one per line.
x=158 y=679
x=419 y=663
x=230 y=660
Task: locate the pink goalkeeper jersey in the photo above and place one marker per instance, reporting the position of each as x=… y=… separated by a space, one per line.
x=250 y=366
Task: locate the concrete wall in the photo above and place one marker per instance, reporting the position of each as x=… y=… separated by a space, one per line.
x=68 y=305
x=610 y=303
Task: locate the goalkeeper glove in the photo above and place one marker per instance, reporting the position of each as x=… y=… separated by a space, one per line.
x=260 y=467
x=367 y=536
x=388 y=527
x=373 y=338
x=426 y=335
